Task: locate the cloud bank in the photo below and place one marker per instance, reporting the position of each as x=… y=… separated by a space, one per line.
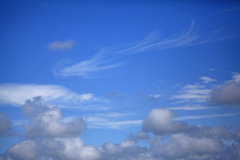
x=48 y=136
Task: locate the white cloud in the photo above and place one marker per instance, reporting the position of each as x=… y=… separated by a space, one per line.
x=111 y=120
x=236 y=77
x=46 y=121
x=207 y=116
x=197 y=93
x=61 y=45
x=84 y=69
x=103 y=123
x=152 y=42
x=182 y=146
x=16 y=94
x=99 y=62
x=207 y=79
x=49 y=136
x=123 y=151
x=193 y=107
x=60 y=148
x=160 y=121
x=155 y=95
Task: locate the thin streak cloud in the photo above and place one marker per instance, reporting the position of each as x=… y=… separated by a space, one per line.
x=207 y=116
x=191 y=108
x=84 y=69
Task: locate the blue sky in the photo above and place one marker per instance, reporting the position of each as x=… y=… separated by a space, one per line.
x=93 y=80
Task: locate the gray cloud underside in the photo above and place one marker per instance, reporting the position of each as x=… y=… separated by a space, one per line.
x=228 y=94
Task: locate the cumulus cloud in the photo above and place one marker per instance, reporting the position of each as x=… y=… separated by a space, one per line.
x=186 y=147
x=48 y=136
x=46 y=121
x=53 y=149
x=125 y=150
x=228 y=94
x=160 y=121
x=177 y=140
x=5 y=124
x=61 y=45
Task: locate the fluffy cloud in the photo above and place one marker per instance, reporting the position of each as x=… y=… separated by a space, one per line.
x=5 y=123
x=177 y=140
x=61 y=45
x=187 y=147
x=125 y=150
x=46 y=121
x=53 y=149
x=228 y=94
x=50 y=137
x=160 y=121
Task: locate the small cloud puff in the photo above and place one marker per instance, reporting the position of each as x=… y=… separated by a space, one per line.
x=207 y=79
x=160 y=121
x=62 y=45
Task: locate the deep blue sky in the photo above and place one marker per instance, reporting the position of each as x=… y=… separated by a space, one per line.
x=121 y=66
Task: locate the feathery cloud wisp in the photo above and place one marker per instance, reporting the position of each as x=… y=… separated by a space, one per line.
x=84 y=69
x=100 y=62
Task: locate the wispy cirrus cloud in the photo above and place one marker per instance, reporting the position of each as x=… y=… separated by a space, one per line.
x=61 y=45
x=229 y=10
x=115 y=124
x=193 y=107
x=207 y=116
x=101 y=61
x=111 y=120
x=84 y=69
x=152 y=41
x=196 y=92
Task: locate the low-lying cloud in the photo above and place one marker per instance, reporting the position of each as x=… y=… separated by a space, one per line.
x=49 y=137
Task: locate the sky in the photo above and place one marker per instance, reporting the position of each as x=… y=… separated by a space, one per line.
x=117 y=80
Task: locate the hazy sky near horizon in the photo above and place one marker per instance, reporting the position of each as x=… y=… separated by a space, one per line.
x=92 y=80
